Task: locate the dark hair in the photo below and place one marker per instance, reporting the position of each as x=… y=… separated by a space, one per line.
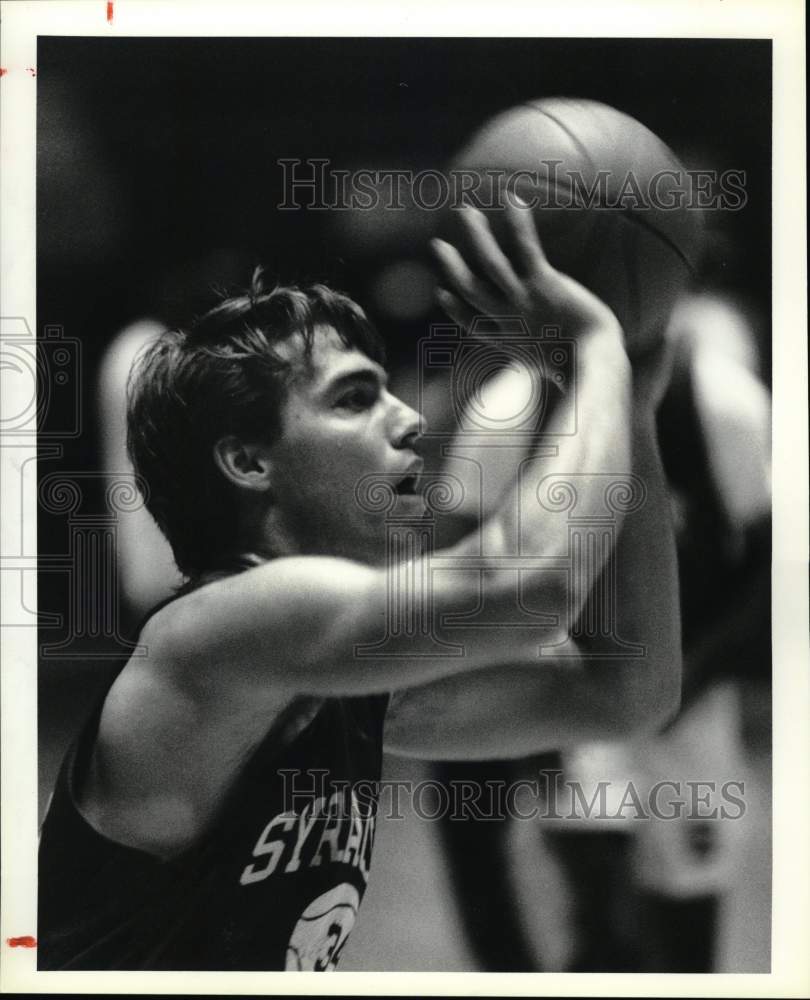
x=221 y=375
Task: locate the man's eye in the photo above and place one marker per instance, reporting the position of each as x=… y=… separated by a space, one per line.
x=356 y=399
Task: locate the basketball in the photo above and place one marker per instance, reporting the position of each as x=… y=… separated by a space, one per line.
x=612 y=204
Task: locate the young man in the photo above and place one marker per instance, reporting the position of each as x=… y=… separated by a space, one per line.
x=172 y=841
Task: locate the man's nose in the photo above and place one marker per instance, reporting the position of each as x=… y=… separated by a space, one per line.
x=408 y=425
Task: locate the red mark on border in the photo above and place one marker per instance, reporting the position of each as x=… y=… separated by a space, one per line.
x=26 y=941
x=3 y=71
x=109 y=11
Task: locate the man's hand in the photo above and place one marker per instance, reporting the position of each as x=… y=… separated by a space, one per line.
x=486 y=281
x=513 y=710
x=530 y=287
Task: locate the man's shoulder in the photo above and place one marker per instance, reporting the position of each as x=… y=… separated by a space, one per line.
x=284 y=593
x=166 y=752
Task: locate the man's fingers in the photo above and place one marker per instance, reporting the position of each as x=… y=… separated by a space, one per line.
x=455 y=308
x=461 y=279
x=528 y=248
x=492 y=260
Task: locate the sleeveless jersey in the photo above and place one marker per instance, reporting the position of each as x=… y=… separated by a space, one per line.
x=274 y=883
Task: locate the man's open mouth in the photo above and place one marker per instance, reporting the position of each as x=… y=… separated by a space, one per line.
x=409 y=486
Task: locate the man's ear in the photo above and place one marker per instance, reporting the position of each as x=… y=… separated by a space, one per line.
x=247 y=465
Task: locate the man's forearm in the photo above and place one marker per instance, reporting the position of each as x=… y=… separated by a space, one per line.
x=641 y=690
x=601 y=410
x=522 y=708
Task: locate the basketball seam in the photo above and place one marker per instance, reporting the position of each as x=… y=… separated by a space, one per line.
x=595 y=234
x=629 y=252
x=644 y=224
x=626 y=212
x=324 y=913
x=571 y=135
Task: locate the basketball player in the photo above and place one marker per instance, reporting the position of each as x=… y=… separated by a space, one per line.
x=173 y=839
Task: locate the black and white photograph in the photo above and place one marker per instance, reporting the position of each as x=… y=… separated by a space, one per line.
x=404 y=447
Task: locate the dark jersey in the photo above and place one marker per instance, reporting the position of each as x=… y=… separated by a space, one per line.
x=275 y=883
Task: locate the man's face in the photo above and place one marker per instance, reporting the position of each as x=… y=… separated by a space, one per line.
x=339 y=425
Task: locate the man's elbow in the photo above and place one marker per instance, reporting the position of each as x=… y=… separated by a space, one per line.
x=631 y=700
x=647 y=712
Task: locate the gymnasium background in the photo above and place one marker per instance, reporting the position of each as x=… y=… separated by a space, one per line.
x=158 y=180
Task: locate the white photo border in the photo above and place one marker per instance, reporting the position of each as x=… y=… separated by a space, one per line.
x=780 y=20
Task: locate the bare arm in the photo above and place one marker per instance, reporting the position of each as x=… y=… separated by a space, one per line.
x=519 y=708
x=294 y=625
x=597 y=402
x=515 y=710
x=227 y=659
x=298 y=625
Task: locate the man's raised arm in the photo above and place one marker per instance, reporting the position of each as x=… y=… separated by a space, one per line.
x=623 y=673
x=295 y=624
x=518 y=709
